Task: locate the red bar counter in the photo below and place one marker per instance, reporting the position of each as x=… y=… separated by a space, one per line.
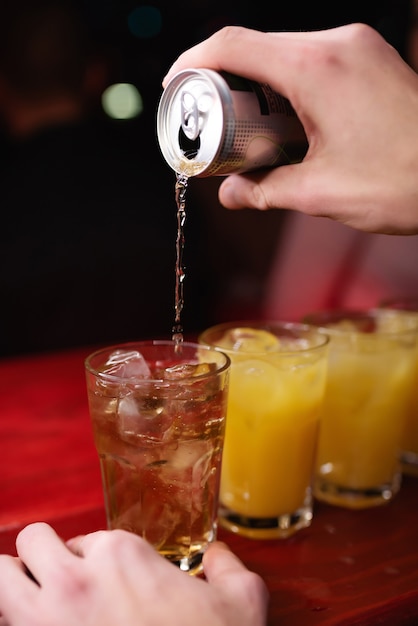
x=350 y=568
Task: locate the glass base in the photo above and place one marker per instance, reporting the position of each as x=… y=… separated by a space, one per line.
x=355 y=498
x=279 y=527
x=191 y=565
x=409 y=462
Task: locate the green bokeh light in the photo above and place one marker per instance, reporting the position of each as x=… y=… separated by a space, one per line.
x=122 y=101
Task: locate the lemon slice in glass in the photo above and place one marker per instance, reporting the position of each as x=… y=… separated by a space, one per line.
x=249 y=340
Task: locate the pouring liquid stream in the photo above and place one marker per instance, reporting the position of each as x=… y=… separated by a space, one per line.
x=180 y=196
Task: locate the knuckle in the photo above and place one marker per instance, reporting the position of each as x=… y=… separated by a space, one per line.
x=229 y=34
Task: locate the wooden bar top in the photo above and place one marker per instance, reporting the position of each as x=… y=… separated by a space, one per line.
x=350 y=568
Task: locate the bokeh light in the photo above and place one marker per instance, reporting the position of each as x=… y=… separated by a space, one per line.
x=145 y=21
x=122 y=101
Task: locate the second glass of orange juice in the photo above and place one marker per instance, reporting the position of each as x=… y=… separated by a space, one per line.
x=409 y=454
x=277 y=383
x=372 y=356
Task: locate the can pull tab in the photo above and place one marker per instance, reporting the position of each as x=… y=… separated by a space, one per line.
x=189 y=116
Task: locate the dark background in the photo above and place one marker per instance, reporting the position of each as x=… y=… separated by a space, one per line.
x=87 y=240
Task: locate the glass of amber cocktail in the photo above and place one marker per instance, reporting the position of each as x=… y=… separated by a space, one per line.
x=158 y=413
x=372 y=360
x=277 y=383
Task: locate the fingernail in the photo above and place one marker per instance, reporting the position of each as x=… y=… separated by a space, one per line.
x=226 y=193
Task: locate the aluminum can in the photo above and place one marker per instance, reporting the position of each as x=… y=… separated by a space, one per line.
x=212 y=123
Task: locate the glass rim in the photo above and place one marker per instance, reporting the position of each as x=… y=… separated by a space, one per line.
x=409 y=304
x=268 y=325
x=149 y=343
x=372 y=314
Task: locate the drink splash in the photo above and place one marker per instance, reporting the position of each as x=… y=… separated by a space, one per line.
x=180 y=195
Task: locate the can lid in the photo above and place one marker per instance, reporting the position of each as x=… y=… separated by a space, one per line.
x=191 y=120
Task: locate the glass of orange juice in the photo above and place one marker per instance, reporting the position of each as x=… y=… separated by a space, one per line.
x=277 y=384
x=372 y=359
x=409 y=454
